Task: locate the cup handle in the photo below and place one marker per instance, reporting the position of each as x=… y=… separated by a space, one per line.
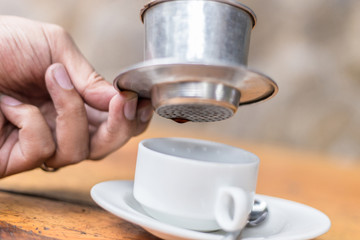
x=231 y=208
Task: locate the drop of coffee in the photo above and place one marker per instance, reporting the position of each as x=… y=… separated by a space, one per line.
x=180 y=120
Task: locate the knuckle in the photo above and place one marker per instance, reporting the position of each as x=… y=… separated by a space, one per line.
x=76 y=108
x=31 y=110
x=95 y=77
x=54 y=34
x=47 y=150
x=65 y=159
x=36 y=156
x=77 y=157
x=56 y=30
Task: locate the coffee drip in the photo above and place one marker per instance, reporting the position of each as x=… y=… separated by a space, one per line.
x=195 y=66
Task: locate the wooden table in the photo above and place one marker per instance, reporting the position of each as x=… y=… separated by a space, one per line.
x=39 y=205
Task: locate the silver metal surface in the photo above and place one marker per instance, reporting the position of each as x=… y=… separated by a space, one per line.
x=195 y=90
x=195 y=60
x=195 y=112
x=197 y=31
x=141 y=78
x=234 y=3
x=258 y=213
x=196 y=101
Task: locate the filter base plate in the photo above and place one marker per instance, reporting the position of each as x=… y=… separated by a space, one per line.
x=140 y=78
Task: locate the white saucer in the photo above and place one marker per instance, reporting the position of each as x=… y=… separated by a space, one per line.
x=287 y=220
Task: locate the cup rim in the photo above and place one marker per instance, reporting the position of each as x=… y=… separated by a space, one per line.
x=253 y=159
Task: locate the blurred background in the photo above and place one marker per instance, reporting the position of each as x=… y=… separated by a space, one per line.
x=310 y=48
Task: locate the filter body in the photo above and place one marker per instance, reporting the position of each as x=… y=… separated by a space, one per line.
x=195 y=66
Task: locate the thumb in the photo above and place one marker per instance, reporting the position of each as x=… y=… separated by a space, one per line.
x=92 y=87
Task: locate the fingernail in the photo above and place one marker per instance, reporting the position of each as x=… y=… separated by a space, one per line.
x=146 y=114
x=130 y=108
x=10 y=101
x=62 y=78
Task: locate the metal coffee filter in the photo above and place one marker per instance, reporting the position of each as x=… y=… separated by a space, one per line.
x=195 y=60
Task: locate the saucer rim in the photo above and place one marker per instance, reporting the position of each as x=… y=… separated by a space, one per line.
x=151 y=225
x=147 y=223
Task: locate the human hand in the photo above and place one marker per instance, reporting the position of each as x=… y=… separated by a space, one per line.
x=55 y=108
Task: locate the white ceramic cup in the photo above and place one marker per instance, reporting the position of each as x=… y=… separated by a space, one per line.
x=195 y=184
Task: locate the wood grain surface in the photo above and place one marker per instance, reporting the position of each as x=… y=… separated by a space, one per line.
x=39 y=205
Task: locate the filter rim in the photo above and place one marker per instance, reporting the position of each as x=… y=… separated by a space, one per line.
x=253 y=86
x=233 y=3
